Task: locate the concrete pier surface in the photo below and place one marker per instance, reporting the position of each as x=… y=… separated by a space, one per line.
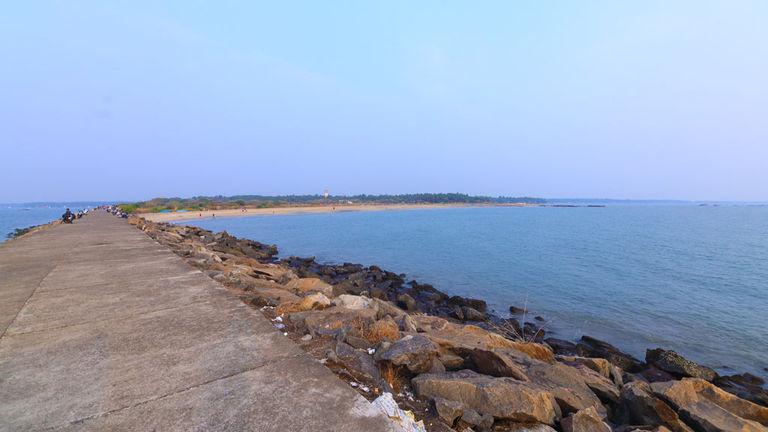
x=102 y=328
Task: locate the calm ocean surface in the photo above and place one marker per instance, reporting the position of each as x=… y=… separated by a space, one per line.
x=13 y=216
x=688 y=278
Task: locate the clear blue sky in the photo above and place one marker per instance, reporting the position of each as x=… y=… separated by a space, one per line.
x=136 y=99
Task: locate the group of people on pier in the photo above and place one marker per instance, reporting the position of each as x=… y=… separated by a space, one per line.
x=69 y=217
x=117 y=211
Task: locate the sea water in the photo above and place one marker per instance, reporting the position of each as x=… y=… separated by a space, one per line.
x=18 y=216
x=689 y=278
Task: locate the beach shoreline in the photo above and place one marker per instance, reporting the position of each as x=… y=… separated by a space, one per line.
x=290 y=210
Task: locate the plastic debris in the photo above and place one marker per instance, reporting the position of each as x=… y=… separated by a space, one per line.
x=404 y=421
x=409 y=395
x=353 y=384
x=371 y=351
x=278 y=319
x=279 y=326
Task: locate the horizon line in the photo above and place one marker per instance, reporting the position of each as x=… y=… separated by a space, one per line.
x=661 y=200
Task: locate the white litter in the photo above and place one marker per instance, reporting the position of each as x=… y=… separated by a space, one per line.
x=404 y=421
x=279 y=326
x=353 y=384
x=371 y=351
x=278 y=319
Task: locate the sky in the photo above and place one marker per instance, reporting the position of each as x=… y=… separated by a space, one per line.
x=129 y=100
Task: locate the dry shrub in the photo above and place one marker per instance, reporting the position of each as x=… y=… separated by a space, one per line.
x=394 y=376
x=506 y=336
x=507 y=330
x=287 y=307
x=358 y=327
x=383 y=329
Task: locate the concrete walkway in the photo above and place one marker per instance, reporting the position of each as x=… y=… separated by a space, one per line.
x=102 y=328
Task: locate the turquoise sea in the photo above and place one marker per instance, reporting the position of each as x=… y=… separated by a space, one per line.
x=684 y=277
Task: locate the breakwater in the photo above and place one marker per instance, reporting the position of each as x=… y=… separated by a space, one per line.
x=102 y=328
x=462 y=363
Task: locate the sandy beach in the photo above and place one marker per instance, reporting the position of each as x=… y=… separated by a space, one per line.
x=171 y=217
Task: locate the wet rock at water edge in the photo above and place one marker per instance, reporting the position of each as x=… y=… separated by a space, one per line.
x=745 y=386
x=476 y=304
x=514 y=310
x=406 y=302
x=674 y=363
x=591 y=347
x=533 y=332
x=472 y=314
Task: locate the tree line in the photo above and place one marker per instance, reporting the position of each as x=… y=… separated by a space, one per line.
x=236 y=201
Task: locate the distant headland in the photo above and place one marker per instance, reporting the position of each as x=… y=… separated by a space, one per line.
x=238 y=205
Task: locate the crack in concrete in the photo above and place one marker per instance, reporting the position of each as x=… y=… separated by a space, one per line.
x=120 y=318
x=5 y=330
x=186 y=389
x=138 y=280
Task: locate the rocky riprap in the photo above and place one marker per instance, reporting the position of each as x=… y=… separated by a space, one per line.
x=455 y=364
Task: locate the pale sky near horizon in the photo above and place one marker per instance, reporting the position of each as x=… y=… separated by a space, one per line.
x=129 y=100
